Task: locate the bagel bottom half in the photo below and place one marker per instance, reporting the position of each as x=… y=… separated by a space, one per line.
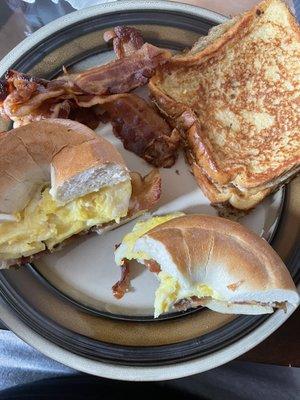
x=209 y=261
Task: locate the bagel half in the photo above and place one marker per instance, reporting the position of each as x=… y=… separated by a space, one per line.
x=209 y=261
x=58 y=179
x=65 y=152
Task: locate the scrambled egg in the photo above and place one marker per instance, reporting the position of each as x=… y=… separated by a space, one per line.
x=140 y=228
x=170 y=292
x=45 y=222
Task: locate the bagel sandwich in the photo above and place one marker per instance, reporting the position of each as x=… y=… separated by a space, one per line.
x=59 y=179
x=208 y=261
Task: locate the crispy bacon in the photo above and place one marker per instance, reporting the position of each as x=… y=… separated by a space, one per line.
x=141 y=129
x=146 y=191
x=24 y=98
x=29 y=99
x=86 y=116
x=122 y=286
x=280 y=305
x=12 y=75
x=122 y=75
x=20 y=88
x=153 y=266
x=192 y=302
x=126 y=40
x=62 y=110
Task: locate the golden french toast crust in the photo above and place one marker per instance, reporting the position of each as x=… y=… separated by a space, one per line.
x=242 y=95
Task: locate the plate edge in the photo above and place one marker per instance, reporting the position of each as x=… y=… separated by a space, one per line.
x=76 y=16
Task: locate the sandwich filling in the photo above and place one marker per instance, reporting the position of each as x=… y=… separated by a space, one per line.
x=45 y=222
x=174 y=292
x=171 y=294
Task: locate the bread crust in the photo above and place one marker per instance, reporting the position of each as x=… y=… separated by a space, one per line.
x=28 y=153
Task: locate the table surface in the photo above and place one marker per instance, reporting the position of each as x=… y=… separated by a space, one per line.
x=17 y=20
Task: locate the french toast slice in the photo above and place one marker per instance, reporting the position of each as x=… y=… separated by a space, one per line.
x=235 y=96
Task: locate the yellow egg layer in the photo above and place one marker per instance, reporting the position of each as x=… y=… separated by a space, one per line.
x=45 y=222
x=139 y=230
x=170 y=292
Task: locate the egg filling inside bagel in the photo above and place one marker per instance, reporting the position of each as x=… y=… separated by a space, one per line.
x=45 y=222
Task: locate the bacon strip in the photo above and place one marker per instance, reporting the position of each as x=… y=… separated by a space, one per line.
x=153 y=266
x=126 y=40
x=24 y=98
x=28 y=99
x=15 y=75
x=122 y=286
x=86 y=116
x=192 y=302
x=141 y=129
x=146 y=191
x=122 y=75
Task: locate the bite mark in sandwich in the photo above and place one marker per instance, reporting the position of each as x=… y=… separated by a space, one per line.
x=209 y=261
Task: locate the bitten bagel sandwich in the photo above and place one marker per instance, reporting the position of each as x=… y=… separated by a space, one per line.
x=59 y=179
x=209 y=261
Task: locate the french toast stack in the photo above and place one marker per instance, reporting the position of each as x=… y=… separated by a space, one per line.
x=235 y=97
